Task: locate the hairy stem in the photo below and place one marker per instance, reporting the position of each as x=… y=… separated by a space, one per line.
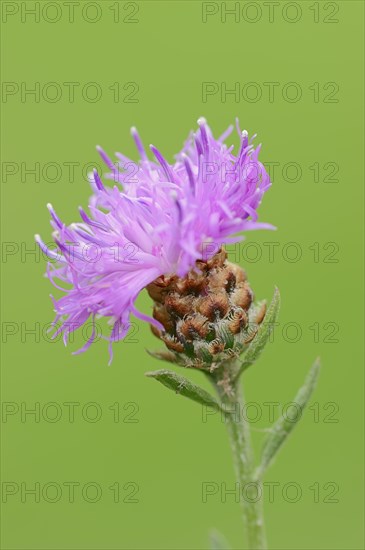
x=250 y=489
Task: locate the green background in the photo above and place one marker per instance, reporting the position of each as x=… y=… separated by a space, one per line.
x=170 y=452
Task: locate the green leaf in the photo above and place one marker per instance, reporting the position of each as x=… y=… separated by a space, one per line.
x=163 y=355
x=285 y=424
x=257 y=345
x=218 y=542
x=183 y=386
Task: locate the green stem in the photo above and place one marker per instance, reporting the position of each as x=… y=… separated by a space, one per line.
x=251 y=490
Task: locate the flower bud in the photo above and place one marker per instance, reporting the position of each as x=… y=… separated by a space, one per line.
x=208 y=315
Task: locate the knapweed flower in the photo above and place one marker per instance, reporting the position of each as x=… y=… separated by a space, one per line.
x=158 y=222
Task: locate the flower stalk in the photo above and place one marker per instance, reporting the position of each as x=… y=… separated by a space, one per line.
x=251 y=494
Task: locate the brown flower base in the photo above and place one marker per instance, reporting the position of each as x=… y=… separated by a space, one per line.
x=208 y=315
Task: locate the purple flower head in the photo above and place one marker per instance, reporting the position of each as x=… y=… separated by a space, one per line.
x=157 y=219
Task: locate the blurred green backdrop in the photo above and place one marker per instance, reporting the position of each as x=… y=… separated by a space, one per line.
x=98 y=68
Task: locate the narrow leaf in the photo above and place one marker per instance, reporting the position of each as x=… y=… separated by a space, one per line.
x=218 y=542
x=183 y=386
x=285 y=424
x=257 y=345
x=163 y=355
